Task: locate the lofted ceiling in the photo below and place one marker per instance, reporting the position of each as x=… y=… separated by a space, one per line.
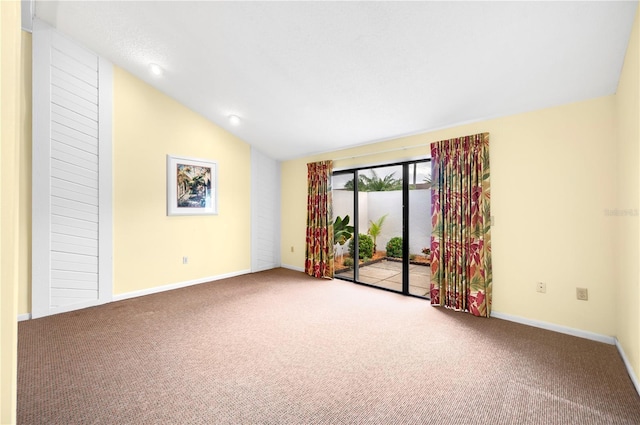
x=310 y=77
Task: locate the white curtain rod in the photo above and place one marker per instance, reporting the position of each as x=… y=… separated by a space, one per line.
x=403 y=148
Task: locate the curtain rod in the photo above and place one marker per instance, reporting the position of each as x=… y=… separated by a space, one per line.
x=403 y=148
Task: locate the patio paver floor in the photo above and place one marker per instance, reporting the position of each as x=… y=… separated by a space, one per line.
x=388 y=274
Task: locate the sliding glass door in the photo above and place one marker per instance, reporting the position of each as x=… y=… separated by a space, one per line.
x=388 y=229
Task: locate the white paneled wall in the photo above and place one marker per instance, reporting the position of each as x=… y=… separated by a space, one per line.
x=71 y=175
x=265 y=212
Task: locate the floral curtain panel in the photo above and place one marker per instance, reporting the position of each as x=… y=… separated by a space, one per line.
x=461 y=275
x=319 y=245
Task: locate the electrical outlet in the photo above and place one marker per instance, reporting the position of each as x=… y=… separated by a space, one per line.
x=185 y=260
x=541 y=287
x=291 y=248
x=582 y=294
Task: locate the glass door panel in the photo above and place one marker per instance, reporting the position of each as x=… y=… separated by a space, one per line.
x=419 y=228
x=343 y=209
x=380 y=223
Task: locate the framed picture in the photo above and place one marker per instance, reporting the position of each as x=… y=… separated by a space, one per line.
x=191 y=186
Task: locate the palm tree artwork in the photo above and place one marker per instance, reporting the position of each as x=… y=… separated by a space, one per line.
x=194 y=185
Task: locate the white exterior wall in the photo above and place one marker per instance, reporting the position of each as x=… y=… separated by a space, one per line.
x=381 y=203
x=343 y=205
x=420 y=219
x=373 y=205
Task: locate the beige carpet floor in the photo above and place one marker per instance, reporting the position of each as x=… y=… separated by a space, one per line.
x=279 y=347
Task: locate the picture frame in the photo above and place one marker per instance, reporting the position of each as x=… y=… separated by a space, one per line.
x=192 y=186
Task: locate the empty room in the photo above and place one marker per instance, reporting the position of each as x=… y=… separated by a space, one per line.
x=319 y=212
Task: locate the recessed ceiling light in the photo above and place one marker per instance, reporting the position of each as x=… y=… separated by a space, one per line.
x=234 y=119
x=155 y=69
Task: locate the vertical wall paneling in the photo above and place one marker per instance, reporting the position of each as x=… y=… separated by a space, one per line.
x=72 y=189
x=265 y=212
x=105 y=183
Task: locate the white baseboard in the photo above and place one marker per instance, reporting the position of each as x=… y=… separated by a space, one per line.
x=290 y=267
x=178 y=285
x=556 y=328
x=142 y=292
x=630 y=371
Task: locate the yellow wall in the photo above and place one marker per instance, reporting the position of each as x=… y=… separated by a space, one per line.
x=552 y=174
x=628 y=185
x=9 y=219
x=149 y=245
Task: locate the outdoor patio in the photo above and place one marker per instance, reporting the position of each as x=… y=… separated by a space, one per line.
x=388 y=274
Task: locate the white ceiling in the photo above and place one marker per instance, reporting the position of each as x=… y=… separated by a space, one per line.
x=309 y=77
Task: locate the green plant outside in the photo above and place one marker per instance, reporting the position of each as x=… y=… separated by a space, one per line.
x=375 y=183
x=375 y=228
x=394 y=247
x=365 y=247
x=342 y=232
